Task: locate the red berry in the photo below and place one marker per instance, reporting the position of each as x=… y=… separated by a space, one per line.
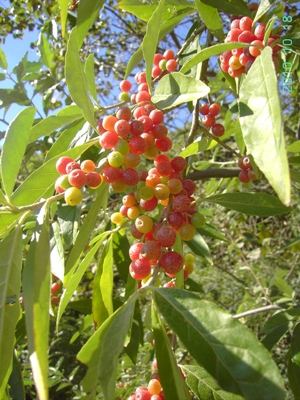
x=169 y=55
x=166 y=236
x=55 y=287
x=244 y=177
x=208 y=120
x=224 y=58
x=218 y=130
x=157 y=58
x=189 y=186
x=125 y=86
x=72 y=165
x=235 y=24
x=178 y=164
x=214 y=109
x=159 y=131
x=164 y=144
x=164 y=168
x=62 y=163
x=93 y=179
x=175 y=219
x=149 y=205
x=236 y=73
x=246 y=24
x=246 y=37
x=123 y=112
x=255 y=51
x=181 y=203
x=130 y=177
x=155 y=72
x=136 y=127
x=233 y=35
x=172 y=262
x=111 y=174
x=151 y=250
x=140 y=269
x=204 y=109
x=143 y=96
x=77 y=178
x=108 y=139
x=137 y=145
x=147 y=123
x=259 y=31
x=135 y=250
x=171 y=65
x=157 y=116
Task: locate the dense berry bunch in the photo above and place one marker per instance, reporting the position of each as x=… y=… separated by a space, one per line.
x=238 y=61
x=74 y=176
x=246 y=175
x=209 y=118
x=152 y=392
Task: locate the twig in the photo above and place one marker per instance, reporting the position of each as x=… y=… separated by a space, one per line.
x=214 y=173
x=190 y=40
x=256 y=311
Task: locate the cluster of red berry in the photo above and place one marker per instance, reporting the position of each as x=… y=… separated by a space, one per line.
x=209 y=120
x=238 y=61
x=55 y=297
x=152 y=392
x=74 y=176
x=246 y=175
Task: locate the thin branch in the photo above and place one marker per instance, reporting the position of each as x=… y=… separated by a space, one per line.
x=190 y=40
x=214 y=173
x=257 y=310
x=195 y=125
x=210 y=135
x=175 y=39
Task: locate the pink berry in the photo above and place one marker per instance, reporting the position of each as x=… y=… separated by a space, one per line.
x=125 y=86
x=166 y=236
x=172 y=262
x=62 y=163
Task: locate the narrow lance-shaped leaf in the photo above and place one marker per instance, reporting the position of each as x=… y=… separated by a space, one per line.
x=209 y=52
x=294 y=362
x=169 y=374
x=263 y=8
x=204 y=385
x=102 y=350
x=227 y=349
x=75 y=278
x=103 y=286
x=151 y=39
x=46 y=53
x=89 y=70
x=261 y=123
x=175 y=88
x=200 y=247
x=3 y=62
x=63 y=7
x=36 y=289
x=76 y=80
x=250 y=203
x=211 y=18
x=10 y=282
x=87 y=13
x=237 y=7
x=14 y=146
x=53 y=122
x=85 y=231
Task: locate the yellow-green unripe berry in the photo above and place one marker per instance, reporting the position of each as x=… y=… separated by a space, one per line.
x=115 y=159
x=122 y=146
x=73 y=196
x=124 y=96
x=117 y=218
x=198 y=220
x=63 y=182
x=146 y=192
x=188 y=258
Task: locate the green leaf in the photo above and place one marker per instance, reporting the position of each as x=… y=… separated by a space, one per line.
x=3 y=62
x=57 y=255
x=209 y=52
x=85 y=231
x=277 y=326
x=7 y=221
x=50 y=124
x=195 y=148
x=41 y=182
x=102 y=350
x=76 y=80
x=36 y=291
x=63 y=143
x=226 y=348
x=121 y=254
x=17 y=389
x=175 y=88
x=236 y=7
x=63 y=8
x=211 y=18
x=10 y=96
x=294 y=147
x=199 y=247
x=261 y=123
x=46 y=52
x=102 y=305
x=89 y=70
x=14 y=146
x=169 y=374
x=75 y=278
x=264 y=7
x=293 y=375
x=68 y=217
x=150 y=40
x=295 y=345
x=2 y=198
x=261 y=204
x=204 y=386
x=10 y=278
x=87 y=13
